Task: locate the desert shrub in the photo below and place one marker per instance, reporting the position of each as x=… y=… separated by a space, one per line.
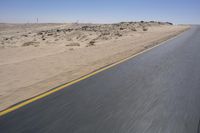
x=73 y=44
x=69 y=30
x=24 y=35
x=40 y=33
x=91 y=43
x=169 y=23
x=118 y=34
x=85 y=28
x=121 y=28
x=105 y=33
x=6 y=39
x=30 y=44
x=145 y=29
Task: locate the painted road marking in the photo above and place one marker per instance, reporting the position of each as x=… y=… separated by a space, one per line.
x=15 y=107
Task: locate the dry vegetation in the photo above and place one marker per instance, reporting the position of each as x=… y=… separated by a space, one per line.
x=68 y=34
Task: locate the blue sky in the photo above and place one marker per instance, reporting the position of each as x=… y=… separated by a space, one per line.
x=100 y=11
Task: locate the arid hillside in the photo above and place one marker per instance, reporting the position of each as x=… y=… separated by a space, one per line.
x=74 y=35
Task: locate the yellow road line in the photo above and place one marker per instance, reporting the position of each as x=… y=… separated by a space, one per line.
x=15 y=107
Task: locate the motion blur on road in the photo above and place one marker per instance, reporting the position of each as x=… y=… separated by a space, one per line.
x=157 y=91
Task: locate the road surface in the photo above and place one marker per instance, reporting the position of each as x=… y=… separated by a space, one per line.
x=155 y=92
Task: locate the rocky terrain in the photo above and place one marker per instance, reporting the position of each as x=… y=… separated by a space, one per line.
x=35 y=58
x=72 y=35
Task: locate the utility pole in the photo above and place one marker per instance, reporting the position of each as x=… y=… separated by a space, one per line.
x=37 y=20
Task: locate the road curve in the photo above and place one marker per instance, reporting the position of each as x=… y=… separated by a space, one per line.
x=155 y=92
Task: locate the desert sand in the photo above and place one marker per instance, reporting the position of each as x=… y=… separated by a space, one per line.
x=35 y=58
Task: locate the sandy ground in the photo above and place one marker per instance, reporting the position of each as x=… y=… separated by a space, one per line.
x=37 y=57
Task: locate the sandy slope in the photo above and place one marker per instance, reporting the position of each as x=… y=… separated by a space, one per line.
x=28 y=70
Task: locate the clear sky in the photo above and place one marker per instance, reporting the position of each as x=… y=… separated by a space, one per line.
x=100 y=11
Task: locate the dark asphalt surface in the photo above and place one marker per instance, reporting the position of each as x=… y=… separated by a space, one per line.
x=156 y=92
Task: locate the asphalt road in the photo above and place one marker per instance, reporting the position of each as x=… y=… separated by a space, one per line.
x=155 y=92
